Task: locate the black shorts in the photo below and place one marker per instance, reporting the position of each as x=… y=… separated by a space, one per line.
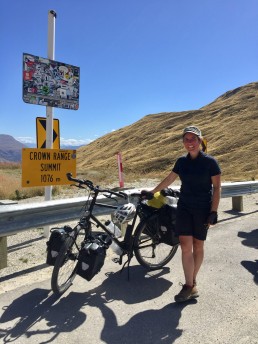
x=192 y=222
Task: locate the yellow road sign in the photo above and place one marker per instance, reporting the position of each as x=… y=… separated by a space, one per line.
x=41 y=126
x=45 y=167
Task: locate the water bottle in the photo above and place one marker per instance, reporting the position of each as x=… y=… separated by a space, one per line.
x=113 y=228
x=117 y=233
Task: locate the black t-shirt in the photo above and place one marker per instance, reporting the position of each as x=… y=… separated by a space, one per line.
x=195 y=175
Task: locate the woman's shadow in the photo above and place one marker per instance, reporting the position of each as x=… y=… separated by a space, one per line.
x=250 y=240
x=64 y=314
x=148 y=326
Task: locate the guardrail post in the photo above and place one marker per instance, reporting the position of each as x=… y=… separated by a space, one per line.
x=3 y=252
x=237 y=203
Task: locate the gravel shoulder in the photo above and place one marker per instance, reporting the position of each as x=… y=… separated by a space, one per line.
x=27 y=250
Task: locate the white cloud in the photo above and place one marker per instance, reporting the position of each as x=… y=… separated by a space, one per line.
x=64 y=142
x=25 y=139
x=74 y=142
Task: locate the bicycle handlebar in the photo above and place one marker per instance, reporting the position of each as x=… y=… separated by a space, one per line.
x=79 y=181
x=90 y=185
x=143 y=195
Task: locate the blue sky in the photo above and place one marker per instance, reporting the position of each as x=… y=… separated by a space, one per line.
x=136 y=57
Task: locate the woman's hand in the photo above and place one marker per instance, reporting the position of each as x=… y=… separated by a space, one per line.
x=147 y=194
x=212 y=218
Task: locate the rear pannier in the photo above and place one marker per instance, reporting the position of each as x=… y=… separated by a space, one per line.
x=55 y=242
x=92 y=256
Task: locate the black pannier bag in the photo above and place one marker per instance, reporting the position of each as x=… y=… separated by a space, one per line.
x=55 y=242
x=92 y=256
x=167 y=220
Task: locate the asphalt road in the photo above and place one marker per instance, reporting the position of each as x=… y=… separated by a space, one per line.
x=110 y=309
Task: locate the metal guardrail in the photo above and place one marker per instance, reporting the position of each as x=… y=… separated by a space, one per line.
x=19 y=217
x=238 y=189
x=16 y=218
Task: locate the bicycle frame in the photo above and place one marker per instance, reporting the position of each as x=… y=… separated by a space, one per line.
x=89 y=216
x=153 y=254
x=127 y=245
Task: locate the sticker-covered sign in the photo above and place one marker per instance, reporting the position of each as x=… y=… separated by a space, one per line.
x=45 y=167
x=50 y=83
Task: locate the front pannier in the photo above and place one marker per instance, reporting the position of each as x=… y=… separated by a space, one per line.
x=167 y=220
x=92 y=256
x=55 y=242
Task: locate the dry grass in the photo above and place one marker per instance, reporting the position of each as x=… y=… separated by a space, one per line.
x=151 y=146
x=10 y=184
x=10 y=166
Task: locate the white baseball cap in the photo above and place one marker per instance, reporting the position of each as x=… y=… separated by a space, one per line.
x=192 y=129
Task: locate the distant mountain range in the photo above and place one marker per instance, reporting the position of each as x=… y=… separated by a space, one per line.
x=33 y=145
x=11 y=149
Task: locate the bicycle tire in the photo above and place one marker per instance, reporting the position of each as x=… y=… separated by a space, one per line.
x=65 y=267
x=149 y=251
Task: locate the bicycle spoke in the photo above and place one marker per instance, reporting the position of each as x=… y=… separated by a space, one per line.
x=149 y=251
x=65 y=268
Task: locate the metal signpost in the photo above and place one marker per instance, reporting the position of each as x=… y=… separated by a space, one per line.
x=49 y=109
x=52 y=84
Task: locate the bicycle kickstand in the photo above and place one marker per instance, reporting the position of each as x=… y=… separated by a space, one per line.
x=128 y=265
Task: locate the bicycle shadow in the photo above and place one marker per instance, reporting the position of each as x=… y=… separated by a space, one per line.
x=117 y=286
x=250 y=240
x=149 y=326
x=37 y=305
x=40 y=312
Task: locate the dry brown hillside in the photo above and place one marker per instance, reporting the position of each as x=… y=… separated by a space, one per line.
x=150 y=146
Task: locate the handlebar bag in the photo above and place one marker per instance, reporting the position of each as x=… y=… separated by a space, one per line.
x=91 y=258
x=145 y=211
x=55 y=242
x=167 y=220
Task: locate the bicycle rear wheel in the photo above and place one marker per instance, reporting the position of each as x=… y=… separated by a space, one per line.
x=65 y=267
x=149 y=251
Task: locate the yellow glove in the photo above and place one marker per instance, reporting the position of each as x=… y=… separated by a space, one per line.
x=157 y=201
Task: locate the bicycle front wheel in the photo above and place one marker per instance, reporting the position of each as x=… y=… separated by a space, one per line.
x=149 y=251
x=65 y=267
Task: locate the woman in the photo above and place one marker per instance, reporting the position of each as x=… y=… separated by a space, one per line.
x=197 y=206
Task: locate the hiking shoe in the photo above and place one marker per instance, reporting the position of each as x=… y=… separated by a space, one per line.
x=186 y=293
